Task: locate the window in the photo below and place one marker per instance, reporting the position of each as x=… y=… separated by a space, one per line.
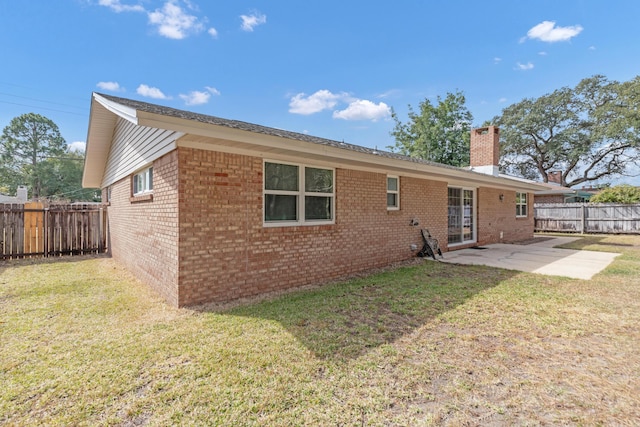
x=461 y=215
x=297 y=194
x=143 y=181
x=521 y=204
x=393 y=193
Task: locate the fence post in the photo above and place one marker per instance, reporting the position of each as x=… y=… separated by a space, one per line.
x=45 y=214
x=584 y=226
x=100 y=230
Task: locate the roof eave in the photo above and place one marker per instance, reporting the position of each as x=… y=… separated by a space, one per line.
x=105 y=111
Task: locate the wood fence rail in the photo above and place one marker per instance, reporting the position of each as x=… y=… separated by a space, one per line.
x=610 y=218
x=31 y=230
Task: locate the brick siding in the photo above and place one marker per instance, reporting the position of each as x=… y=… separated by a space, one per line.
x=144 y=234
x=554 y=198
x=226 y=253
x=201 y=238
x=495 y=216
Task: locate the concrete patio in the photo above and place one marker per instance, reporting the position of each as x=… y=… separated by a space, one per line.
x=538 y=257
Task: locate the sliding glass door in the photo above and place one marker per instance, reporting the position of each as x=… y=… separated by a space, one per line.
x=462 y=213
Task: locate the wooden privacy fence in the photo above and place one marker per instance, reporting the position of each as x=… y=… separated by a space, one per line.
x=34 y=230
x=609 y=218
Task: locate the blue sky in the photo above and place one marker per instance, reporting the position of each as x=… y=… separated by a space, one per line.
x=333 y=69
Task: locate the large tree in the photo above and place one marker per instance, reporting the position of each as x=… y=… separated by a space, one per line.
x=62 y=179
x=588 y=133
x=25 y=146
x=439 y=133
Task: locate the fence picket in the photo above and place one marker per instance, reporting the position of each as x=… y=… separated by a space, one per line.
x=34 y=230
x=587 y=218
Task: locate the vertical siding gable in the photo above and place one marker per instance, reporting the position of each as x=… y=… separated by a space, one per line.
x=135 y=146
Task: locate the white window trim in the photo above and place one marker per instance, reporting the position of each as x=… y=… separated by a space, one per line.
x=525 y=204
x=148 y=187
x=474 y=216
x=396 y=192
x=301 y=194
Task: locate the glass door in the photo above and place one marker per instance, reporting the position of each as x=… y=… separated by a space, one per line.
x=461 y=215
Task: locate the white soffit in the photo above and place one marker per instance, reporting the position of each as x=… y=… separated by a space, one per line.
x=102 y=121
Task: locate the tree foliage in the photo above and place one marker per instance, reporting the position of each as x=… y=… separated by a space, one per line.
x=439 y=133
x=618 y=194
x=34 y=153
x=589 y=133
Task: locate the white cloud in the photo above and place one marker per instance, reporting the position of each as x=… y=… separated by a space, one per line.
x=502 y=100
x=547 y=31
x=196 y=97
x=524 y=67
x=390 y=93
x=592 y=48
x=213 y=32
x=321 y=100
x=249 y=22
x=77 y=146
x=497 y=60
x=151 y=92
x=110 y=86
x=363 y=109
x=212 y=90
x=542 y=53
x=118 y=7
x=174 y=22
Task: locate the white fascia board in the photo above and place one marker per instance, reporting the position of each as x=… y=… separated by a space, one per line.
x=127 y=113
x=102 y=120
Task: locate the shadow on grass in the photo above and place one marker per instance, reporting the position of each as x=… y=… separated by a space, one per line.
x=586 y=242
x=347 y=320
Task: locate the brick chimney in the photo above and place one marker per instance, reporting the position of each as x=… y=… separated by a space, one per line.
x=485 y=150
x=555 y=177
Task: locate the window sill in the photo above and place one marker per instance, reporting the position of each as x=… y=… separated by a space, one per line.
x=141 y=198
x=296 y=224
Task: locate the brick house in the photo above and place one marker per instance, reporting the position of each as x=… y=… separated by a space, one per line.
x=555 y=192
x=205 y=209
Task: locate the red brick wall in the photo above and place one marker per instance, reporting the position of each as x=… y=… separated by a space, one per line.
x=144 y=234
x=201 y=239
x=226 y=253
x=556 y=198
x=495 y=216
x=484 y=146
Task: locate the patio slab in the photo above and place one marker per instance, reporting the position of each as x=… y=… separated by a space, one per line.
x=540 y=257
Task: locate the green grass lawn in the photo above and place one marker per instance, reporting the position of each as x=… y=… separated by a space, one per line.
x=84 y=343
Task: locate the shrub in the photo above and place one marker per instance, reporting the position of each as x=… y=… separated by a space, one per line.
x=619 y=194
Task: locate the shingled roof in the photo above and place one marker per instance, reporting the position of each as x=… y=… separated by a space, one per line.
x=107 y=107
x=251 y=127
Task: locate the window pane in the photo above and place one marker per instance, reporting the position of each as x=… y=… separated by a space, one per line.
x=392 y=200
x=460 y=215
x=280 y=207
x=317 y=208
x=150 y=186
x=280 y=177
x=318 y=180
x=455 y=215
x=392 y=184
